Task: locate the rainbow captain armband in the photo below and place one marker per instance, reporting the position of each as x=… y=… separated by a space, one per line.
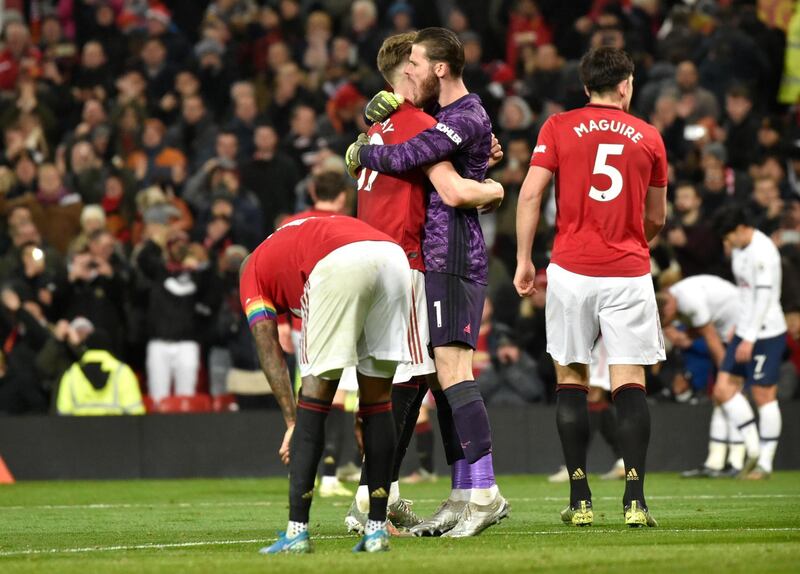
x=259 y=309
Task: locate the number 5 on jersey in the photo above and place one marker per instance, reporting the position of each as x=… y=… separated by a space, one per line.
x=602 y=168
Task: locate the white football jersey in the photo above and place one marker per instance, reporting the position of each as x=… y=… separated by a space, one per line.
x=705 y=299
x=757 y=267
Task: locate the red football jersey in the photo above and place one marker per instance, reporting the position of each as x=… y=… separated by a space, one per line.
x=306 y=214
x=604 y=159
x=277 y=271
x=395 y=204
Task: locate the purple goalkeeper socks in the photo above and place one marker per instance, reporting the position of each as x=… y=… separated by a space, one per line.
x=482 y=472
x=461 y=476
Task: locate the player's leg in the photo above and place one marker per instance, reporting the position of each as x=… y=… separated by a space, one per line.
x=375 y=411
x=764 y=372
x=308 y=440
x=337 y=424
x=728 y=394
x=423 y=432
x=486 y=505
x=400 y=511
x=572 y=421
x=770 y=424
x=630 y=399
x=632 y=334
x=572 y=329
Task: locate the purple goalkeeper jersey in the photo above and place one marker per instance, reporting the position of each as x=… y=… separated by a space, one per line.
x=453 y=240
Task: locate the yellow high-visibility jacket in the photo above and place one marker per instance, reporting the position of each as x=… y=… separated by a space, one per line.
x=790 y=83
x=119 y=396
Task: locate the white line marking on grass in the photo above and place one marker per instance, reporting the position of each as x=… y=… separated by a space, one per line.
x=565 y=531
x=112 y=506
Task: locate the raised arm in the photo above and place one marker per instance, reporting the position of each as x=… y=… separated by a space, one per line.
x=456 y=191
x=528 y=207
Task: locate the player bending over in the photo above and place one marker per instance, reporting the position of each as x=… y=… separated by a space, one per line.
x=350 y=285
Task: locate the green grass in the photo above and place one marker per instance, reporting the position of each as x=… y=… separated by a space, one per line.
x=218 y=525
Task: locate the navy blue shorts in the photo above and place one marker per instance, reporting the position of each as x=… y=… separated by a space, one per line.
x=765 y=366
x=455 y=305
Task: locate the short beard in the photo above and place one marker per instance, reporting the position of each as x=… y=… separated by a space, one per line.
x=428 y=91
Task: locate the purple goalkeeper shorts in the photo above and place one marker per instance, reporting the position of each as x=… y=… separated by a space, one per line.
x=455 y=305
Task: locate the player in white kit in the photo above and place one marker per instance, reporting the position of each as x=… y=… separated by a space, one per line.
x=755 y=352
x=709 y=307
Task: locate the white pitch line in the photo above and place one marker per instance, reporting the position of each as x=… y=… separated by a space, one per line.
x=566 y=531
x=111 y=506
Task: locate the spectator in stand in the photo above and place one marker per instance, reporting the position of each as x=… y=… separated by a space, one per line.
x=178 y=279
x=766 y=205
x=671 y=126
x=364 y=29
x=194 y=133
x=271 y=175
x=695 y=102
x=526 y=27
x=157 y=70
x=741 y=128
x=516 y=121
x=721 y=184
x=98 y=280
x=234 y=205
x=21 y=391
x=214 y=75
x=87 y=173
x=303 y=142
x=159 y=25
x=287 y=95
x=243 y=124
x=344 y=119
x=20 y=58
x=697 y=248
x=98 y=383
x=92 y=78
x=511 y=377
x=156 y=162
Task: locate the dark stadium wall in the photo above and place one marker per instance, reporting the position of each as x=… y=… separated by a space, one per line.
x=245 y=444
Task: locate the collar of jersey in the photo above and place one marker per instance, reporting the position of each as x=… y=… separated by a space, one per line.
x=604 y=106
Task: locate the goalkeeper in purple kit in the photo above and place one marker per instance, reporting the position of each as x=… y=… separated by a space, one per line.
x=456 y=275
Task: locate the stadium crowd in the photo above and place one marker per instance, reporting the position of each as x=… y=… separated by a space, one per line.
x=148 y=147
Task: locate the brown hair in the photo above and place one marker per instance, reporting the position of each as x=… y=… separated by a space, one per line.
x=394 y=52
x=328 y=185
x=603 y=68
x=443 y=45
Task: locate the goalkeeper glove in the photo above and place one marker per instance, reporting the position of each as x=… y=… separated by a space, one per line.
x=382 y=105
x=351 y=156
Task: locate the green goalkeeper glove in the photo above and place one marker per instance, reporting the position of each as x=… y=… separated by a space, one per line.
x=351 y=156
x=382 y=105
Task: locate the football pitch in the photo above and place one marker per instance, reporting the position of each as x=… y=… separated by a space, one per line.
x=174 y=526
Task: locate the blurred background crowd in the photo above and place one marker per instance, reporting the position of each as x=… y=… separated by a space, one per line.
x=148 y=146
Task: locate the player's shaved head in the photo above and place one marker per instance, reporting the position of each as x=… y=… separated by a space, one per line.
x=393 y=55
x=602 y=69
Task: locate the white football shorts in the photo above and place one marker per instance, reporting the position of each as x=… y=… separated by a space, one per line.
x=622 y=309
x=355 y=307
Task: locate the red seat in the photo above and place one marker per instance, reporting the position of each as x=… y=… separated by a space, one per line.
x=149 y=404
x=185 y=404
x=224 y=404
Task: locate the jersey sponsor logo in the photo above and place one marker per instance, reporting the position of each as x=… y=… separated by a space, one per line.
x=608 y=126
x=450 y=132
x=541 y=148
